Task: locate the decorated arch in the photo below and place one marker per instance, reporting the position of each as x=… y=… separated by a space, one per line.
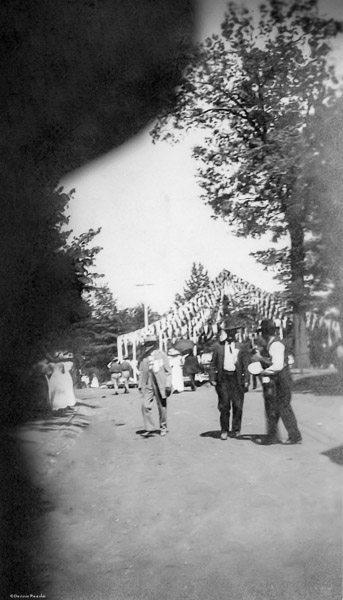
x=198 y=319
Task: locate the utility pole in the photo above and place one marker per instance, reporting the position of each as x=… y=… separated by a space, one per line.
x=144 y=285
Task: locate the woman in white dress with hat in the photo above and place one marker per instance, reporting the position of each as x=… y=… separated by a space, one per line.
x=61 y=387
x=175 y=361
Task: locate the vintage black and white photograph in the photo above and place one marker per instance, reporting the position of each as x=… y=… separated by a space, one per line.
x=171 y=299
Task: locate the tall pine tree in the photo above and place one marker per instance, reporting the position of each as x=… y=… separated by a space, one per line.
x=198 y=280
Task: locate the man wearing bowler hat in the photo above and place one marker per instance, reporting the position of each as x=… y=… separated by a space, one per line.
x=154 y=384
x=230 y=375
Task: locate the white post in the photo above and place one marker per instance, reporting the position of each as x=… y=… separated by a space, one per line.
x=134 y=359
x=144 y=285
x=146 y=320
x=119 y=347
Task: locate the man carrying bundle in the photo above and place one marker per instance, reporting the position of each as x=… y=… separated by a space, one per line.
x=278 y=391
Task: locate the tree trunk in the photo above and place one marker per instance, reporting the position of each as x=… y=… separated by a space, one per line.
x=301 y=350
x=298 y=293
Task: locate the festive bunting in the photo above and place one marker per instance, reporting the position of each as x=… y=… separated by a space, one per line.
x=198 y=318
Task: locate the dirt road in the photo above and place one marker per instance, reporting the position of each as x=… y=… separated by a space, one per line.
x=189 y=516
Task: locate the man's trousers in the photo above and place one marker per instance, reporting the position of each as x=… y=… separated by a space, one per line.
x=271 y=408
x=278 y=405
x=230 y=401
x=150 y=394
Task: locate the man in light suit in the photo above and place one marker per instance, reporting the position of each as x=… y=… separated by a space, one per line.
x=230 y=375
x=154 y=384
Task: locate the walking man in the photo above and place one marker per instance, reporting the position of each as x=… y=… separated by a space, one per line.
x=115 y=370
x=126 y=372
x=154 y=384
x=278 y=390
x=230 y=375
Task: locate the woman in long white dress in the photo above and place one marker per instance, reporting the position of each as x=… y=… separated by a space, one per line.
x=61 y=387
x=95 y=381
x=175 y=361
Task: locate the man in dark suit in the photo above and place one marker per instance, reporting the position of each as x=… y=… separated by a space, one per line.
x=230 y=375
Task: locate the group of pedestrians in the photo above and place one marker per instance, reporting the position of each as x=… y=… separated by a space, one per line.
x=181 y=365
x=121 y=371
x=53 y=377
x=231 y=377
x=230 y=374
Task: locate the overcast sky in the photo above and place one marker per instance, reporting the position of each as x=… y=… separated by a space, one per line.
x=154 y=225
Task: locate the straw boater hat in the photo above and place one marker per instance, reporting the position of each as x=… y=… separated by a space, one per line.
x=173 y=352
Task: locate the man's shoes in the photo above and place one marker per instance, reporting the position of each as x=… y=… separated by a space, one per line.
x=224 y=435
x=292 y=441
x=147 y=434
x=268 y=441
x=163 y=431
x=234 y=434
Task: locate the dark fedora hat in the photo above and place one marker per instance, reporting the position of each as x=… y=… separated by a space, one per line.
x=268 y=326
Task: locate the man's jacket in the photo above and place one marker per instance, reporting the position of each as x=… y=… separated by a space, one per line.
x=114 y=367
x=217 y=365
x=125 y=366
x=191 y=365
x=155 y=368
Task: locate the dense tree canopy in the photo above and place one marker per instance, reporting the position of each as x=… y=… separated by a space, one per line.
x=257 y=91
x=324 y=248
x=94 y=338
x=132 y=318
x=77 y=79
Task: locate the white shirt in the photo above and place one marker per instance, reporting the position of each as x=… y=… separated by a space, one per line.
x=155 y=364
x=277 y=354
x=230 y=356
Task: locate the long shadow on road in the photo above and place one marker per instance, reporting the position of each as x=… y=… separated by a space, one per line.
x=335 y=455
x=252 y=437
x=211 y=434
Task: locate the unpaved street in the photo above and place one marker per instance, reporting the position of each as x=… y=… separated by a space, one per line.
x=191 y=517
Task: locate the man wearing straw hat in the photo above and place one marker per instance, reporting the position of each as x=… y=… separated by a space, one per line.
x=154 y=384
x=230 y=375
